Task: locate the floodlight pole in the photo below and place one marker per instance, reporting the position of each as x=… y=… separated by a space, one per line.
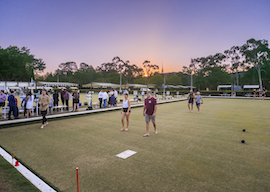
x=191 y=81
x=120 y=81
x=164 y=87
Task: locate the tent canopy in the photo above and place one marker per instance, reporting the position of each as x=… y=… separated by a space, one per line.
x=136 y=85
x=223 y=86
x=101 y=85
x=14 y=87
x=57 y=84
x=251 y=87
x=180 y=86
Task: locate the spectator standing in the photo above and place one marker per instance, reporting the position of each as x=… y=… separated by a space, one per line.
x=16 y=103
x=113 y=101
x=3 y=99
x=44 y=101
x=143 y=95
x=110 y=96
x=55 y=98
x=100 y=97
x=66 y=98
x=115 y=95
x=105 y=98
x=29 y=104
x=264 y=93
x=23 y=104
x=12 y=106
x=76 y=100
x=50 y=104
x=62 y=96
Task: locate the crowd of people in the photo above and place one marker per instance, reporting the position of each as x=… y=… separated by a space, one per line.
x=256 y=93
x=108 y=98
x=27 y=103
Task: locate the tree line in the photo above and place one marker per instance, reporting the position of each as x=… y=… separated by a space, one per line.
x=239 y=65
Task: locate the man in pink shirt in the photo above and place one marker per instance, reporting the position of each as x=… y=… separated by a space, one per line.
x=149 y=111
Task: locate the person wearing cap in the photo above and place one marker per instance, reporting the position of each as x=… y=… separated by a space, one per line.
x=198 y=99
x=125 y=112
x=149 y=111
x=191 y=97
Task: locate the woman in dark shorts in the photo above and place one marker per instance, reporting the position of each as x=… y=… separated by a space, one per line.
x=125 y=112
x=76 y=100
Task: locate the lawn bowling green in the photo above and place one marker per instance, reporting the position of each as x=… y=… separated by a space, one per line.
x=192 y=152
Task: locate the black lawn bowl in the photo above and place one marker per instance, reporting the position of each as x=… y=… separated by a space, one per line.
x=242 y=141
x=244 y=130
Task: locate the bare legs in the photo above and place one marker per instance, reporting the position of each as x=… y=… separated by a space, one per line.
x=198 y=107
x=123 y=121
x=28 y=113
x=75 y=106
x=147 y=128
x=190 y=107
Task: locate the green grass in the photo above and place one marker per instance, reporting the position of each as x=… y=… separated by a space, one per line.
x=11 y=180
x=192 y=152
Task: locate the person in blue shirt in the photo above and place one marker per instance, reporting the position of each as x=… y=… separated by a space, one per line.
x=23 y=103
x=12 y=106
x=199 y=101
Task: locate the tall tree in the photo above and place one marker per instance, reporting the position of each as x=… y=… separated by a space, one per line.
x=18 y=64
x=149 y=69
x=256 y=55
x=68 y=68
x=235 y=57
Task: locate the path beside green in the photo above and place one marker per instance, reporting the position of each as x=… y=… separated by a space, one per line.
x=11 y=180
x=192 y=152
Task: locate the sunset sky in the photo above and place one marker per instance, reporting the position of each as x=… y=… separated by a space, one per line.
x=162 y=31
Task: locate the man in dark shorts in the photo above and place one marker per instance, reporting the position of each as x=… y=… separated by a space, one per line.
x=149 y=111
x=191 y=97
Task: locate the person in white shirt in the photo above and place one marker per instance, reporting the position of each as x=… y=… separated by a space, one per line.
x=115 y=95
x=100 y=96
x=29 y=104
x=142 y=94
x=105 y=98
x=125 y=112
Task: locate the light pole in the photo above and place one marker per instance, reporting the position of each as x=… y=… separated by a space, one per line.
x=145 y=77
x=120 y=81
x=191 y=80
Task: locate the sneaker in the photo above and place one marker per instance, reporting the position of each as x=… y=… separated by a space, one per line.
x=146 y=135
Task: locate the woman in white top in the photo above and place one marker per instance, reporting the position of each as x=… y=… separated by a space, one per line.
x=29 y=104
x=125 y=112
